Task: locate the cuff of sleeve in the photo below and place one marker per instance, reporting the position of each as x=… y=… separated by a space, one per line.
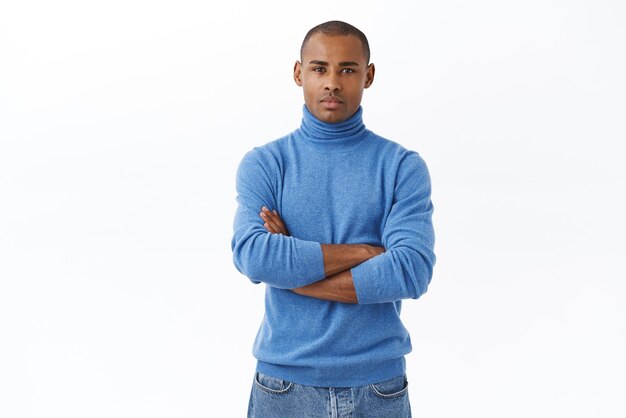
x=368 y=289
x=314 y=269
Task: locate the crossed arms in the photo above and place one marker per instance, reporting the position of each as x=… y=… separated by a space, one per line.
x=337 y=286
x=355 y=273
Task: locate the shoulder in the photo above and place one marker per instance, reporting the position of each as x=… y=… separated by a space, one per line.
x=402 y=157
x=266 y=158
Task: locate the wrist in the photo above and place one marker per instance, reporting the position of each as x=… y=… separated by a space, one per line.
x=372 y=251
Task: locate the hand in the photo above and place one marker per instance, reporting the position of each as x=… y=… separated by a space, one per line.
x=273 y=222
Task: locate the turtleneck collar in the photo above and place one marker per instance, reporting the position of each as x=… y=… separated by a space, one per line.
x=332 y=135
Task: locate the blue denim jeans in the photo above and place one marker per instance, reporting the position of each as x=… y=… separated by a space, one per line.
x=276 y=398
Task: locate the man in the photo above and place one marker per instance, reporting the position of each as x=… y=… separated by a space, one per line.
x=336 y=221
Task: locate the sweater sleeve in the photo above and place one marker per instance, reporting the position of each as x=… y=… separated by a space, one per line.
x=405 y=268
x=277 y=260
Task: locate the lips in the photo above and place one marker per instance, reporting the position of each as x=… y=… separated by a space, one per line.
x=331 y=99
x=331 y=102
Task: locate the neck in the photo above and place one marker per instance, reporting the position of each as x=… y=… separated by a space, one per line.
x=332 y=135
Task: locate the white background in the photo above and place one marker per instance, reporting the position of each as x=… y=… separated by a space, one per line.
x=121 y=127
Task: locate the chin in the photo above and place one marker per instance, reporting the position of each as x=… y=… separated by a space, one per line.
x=331 y=117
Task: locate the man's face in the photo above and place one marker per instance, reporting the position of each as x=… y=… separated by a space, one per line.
x=333 y=74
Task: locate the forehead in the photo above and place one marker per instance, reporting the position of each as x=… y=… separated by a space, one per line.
x=329 y=48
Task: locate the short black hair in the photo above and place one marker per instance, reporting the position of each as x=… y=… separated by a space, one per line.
x=338 y=28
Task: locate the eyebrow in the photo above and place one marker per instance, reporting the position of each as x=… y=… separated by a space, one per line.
x=341 y=64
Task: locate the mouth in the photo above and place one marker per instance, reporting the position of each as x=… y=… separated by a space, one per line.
x=331 y=99
x=331 y=102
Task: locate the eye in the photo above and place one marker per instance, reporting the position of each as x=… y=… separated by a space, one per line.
x=319 y=69
x=347 y=70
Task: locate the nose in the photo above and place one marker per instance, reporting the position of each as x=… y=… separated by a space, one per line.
x=333 y=83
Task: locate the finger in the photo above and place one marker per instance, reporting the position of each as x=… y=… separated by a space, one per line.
x=278 y=221
x=275 y=216
x=273 y=219
x=269 y=228
x=281 y=224
x=273 y=224
x=265 y=219
x=269 y=224
x=265 y=216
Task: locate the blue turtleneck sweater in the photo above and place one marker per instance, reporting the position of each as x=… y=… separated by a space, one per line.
x=334 y=184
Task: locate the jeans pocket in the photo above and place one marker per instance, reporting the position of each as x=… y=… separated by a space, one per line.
x=392 y=388
x=271 y=384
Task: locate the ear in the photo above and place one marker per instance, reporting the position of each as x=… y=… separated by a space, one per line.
x=369 y=75
x=297 y=72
